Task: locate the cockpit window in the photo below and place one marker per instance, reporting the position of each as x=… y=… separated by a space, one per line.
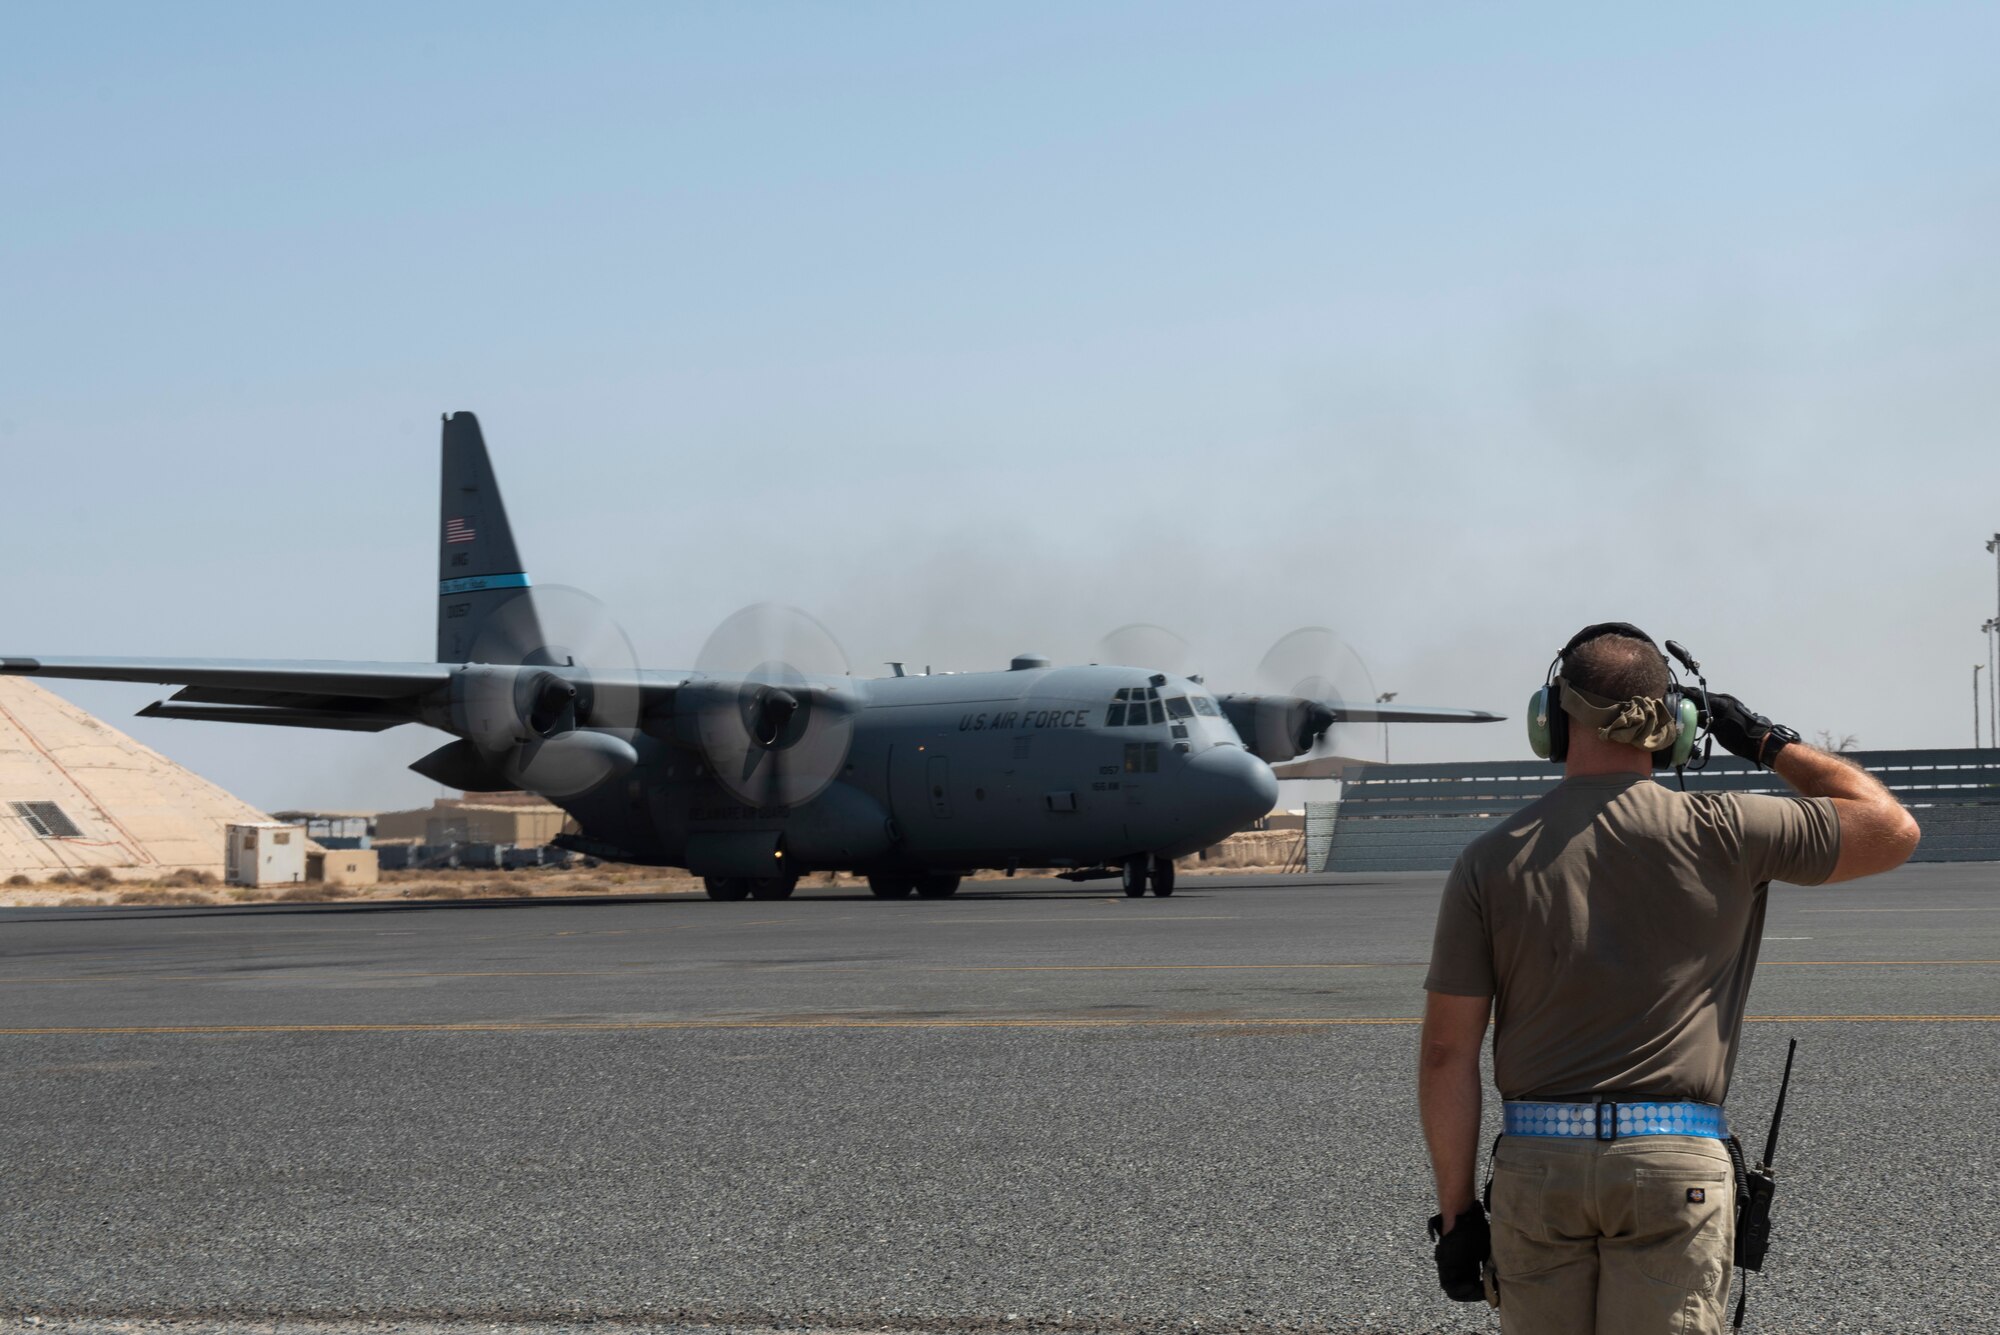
x=1206 y=706
x=1137 y=706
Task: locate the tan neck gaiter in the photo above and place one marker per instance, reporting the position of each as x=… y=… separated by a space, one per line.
x=1643 y=721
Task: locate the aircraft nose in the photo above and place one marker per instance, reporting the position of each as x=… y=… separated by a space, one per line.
x=1232 y=785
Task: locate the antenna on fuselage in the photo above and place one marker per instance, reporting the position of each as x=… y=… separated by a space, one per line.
x=896 y=668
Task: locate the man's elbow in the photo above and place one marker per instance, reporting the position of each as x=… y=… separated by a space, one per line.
x=1896 y=838
x=1905 y=837
x=1885 y=843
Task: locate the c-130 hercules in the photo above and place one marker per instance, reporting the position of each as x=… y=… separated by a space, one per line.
x=753 y=776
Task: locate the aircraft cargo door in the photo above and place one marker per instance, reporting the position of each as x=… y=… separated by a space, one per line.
x=938 y=775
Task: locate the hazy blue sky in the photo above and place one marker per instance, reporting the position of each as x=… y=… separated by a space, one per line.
x=980 y=329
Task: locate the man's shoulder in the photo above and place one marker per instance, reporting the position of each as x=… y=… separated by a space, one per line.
x=1492 y=849
x=1570 y=813
x=1733 y=815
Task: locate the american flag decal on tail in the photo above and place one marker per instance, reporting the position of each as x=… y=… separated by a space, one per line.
x=459 y=530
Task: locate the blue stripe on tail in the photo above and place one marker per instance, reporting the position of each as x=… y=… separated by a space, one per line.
x=474 y=583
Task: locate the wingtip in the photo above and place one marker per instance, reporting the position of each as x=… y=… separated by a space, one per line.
x=20 y=665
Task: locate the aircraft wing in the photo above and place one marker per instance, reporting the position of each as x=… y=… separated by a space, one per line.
x=350 y=697
x=1347 y=713
x=293 y=693
x=377 y=681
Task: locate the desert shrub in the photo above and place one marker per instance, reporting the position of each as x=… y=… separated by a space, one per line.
x=64 y=878
x=438 y=890
x=315 y=893
x=152 y=894
x=590 y=887
x=98 y=876
x=190 y=876
x=18 y=879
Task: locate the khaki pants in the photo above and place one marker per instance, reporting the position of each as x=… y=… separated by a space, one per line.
x=1627 y=1237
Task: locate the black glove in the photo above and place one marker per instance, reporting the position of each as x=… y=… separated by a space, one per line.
x=1744 y=732
x=1461 y=1252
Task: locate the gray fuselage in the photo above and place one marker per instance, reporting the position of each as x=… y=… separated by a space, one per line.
x=957 y=772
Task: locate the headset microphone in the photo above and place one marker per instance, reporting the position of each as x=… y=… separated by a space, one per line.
x=1693 y=665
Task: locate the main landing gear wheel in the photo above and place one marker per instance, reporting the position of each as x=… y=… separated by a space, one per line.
x=772 y=887
x=937 y=886
x=1137 y=871
x=891 y=887
x=1163 y=877
x=727 y=887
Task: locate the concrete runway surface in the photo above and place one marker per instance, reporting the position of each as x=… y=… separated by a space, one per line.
x=1029 y=1107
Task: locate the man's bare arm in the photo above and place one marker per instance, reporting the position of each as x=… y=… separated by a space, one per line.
x=1448 y=1094
x=1876 y=833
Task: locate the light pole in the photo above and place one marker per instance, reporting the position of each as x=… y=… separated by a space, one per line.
x=1387 y=696
x=1975 y=704
x=1992 y=629
x=1992 y=687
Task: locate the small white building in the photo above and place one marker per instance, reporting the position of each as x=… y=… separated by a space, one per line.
x=265 y=853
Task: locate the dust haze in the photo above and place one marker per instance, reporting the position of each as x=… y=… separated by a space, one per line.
x=1229 y=327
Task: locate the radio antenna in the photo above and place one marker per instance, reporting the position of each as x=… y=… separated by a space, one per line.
x=1778 y=1113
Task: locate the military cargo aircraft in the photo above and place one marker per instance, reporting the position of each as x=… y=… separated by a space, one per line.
x=758 y=766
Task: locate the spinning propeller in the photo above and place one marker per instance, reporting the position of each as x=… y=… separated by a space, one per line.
x=1143 y=644
x=773 y=710
x=553 y=731
x=1313 y=684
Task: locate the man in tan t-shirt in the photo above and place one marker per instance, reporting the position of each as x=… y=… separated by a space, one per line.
x=1612 y=928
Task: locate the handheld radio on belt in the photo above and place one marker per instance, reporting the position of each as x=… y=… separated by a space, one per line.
x=1754 y=1189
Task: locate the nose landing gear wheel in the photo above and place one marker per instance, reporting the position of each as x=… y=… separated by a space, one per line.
x=891 y=887
x=1163 y=877
x=937 y=886
x=727 y=887
x=1136 y=876
x=772 y=887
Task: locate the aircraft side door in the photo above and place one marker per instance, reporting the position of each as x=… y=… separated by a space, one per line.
x=937 y=776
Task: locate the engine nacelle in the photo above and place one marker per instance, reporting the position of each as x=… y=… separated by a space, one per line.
x=770 y=716
x=497 y=708
x=1277 y=728
x=524 y=727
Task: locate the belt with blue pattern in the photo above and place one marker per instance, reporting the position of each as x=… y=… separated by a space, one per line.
x=1614 y=1121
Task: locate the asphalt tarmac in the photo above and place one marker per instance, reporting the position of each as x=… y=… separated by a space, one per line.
x=1029 y=1107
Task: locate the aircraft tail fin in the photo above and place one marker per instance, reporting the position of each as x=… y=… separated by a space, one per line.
x=479 y=570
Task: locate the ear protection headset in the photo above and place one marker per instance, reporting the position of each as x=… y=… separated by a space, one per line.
x=1548 y=722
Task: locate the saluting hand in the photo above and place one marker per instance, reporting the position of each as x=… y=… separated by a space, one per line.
x=1744 y=732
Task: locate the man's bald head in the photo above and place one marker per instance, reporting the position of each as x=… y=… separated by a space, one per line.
x=1616 y=667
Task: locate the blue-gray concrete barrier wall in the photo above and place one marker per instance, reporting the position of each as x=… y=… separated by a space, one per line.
x=1417 y=817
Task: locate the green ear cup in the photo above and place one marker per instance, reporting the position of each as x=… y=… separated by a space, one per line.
x=1539 y=738
x=1684 y=740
